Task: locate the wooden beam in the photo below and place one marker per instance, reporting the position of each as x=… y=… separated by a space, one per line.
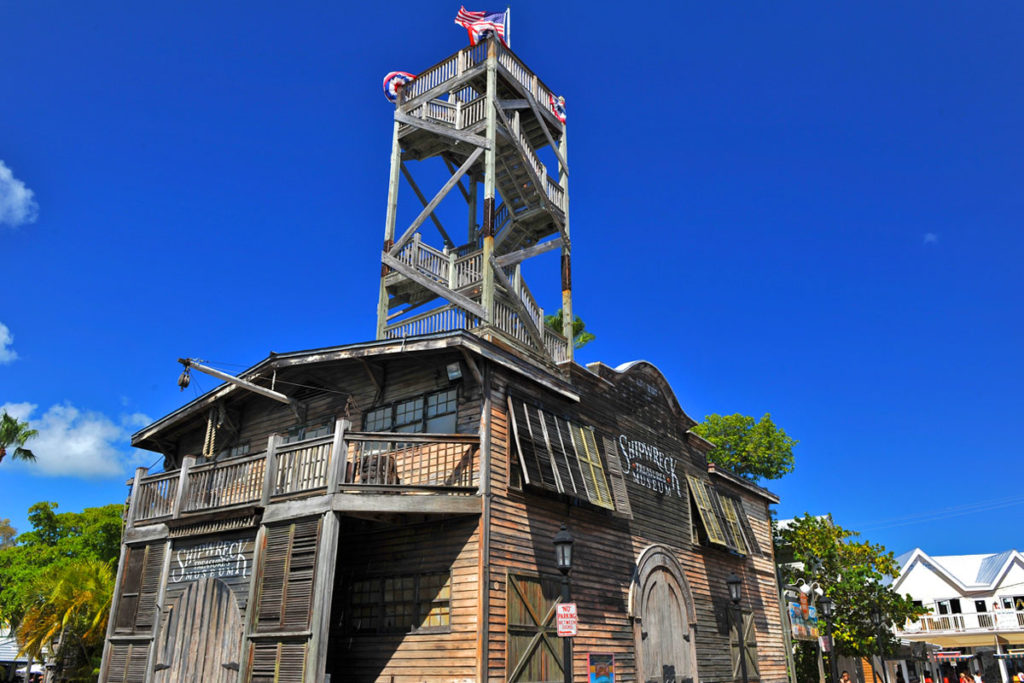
x=529 y=252
x=423 y=200
x=438 y=129
x=514 y=104
x=429 y=208
x=517 y=303
x=435 y=503
x=471 y=364
x=451 y=169
x=547 y=134
x=370 y=372
x=458 y=299
x=443 y=88
x=255 y=388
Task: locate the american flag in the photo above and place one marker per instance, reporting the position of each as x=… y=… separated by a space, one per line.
x=479 y=24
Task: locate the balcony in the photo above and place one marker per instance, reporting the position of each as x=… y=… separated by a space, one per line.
x=406 y=467
x=964 y=626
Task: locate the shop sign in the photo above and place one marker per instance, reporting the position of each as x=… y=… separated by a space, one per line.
x=650 y=467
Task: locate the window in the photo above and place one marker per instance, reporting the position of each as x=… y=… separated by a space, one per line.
x=560 y=455
x=400 y=604
x=310 y=430
x=723 y=519
x=433 y=413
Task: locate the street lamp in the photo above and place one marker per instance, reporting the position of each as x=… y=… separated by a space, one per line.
x=876 y=619
x=563 y=541
x=826 y=605
x=735 y=585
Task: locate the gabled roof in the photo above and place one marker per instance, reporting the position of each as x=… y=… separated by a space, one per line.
x=966 y=572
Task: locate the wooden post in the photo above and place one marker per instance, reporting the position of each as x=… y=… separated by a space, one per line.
x=339 y=456
x=389 y=228
x=453 y=279
x=186 y=465
x=490 y=158
x=320 y=621
x=252 y=610
x=567 y=319
x=161 y=598
x=133 y=497
x=269 y=471
x=472 y=208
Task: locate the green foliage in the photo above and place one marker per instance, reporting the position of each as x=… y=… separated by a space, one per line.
x=580 y=336
x=14 y=432
x=855 y=574
x=38 y=576
x=752 y=449
x=7 y=534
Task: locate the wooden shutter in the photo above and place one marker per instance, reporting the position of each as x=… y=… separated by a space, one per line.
x=528 y=457
x=748 y=532
x=131 y=579
x=618 y=482
x=533 y=649
x=149 y=588
x=750 y=649
x=733 y=510
x=593 y=470
x=277 y=662
x=700 y=491
x=288 y=572
x=127 y=663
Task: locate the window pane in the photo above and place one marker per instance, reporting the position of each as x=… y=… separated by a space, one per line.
x=443 y=424
x=378 y=420
x=441 y=403
x=408 y=412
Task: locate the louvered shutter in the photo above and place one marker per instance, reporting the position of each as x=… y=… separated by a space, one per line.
x=131 y=579
x=127 y=663
x=700 y=491
x=528 y=457
x=618 y=482
x=277 y=662
x=286 y=586
x=593 y=470
x=149 y=589
x=748 y=532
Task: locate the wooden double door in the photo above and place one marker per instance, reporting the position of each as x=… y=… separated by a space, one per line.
x=202 y=636
x=663 y=620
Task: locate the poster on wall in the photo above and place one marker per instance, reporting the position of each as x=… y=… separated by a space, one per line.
x=601 y=668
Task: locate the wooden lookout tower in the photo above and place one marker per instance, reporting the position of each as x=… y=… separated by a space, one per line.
x=487 y=117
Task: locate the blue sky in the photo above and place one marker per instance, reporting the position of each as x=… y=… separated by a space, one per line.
x=804 y=208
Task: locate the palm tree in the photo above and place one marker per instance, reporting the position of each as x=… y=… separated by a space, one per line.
x=14 y=432
x=69 y=616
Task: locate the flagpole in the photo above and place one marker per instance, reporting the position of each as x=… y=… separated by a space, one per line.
x=508 y=26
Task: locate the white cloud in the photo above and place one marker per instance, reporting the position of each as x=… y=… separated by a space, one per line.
x=7 y=353
x=75 y=443
x=17 y=202
x=931 y=238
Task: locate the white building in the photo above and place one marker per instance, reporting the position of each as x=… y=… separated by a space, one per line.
x=977 y=613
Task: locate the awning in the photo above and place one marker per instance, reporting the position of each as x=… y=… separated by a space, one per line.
x=1012 y=654
x=948 y=656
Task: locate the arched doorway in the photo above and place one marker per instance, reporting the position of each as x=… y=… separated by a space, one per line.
x=202 y=637
x=663 y=619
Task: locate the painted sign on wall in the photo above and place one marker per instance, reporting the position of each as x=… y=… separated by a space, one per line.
x=600 y=668
x=217 y=560
x=650 y=467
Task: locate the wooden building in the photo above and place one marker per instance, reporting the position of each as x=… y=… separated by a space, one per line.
x=384 y=511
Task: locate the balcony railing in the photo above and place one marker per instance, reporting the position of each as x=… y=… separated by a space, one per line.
x=343 y=461
x=1000 y=620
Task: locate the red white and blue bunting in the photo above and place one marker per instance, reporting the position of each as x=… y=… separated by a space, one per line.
x=558 y=106
x=395 y=80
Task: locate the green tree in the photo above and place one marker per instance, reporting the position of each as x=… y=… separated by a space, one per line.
x=14 y=432
x=750 y=448
x=55 y=541
x=580 y=336
x=855 y=574
x=7 y=534
x=71 y=606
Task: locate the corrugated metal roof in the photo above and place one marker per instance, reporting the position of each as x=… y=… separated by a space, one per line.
x=8 y=648
x=991 y=565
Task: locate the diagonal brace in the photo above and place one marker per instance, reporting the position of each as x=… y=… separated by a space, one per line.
x=423 y=200
x=517 y=303
x=442 y=193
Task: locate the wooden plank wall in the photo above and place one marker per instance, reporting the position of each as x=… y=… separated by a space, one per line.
x=636 y=405
x=379 y=549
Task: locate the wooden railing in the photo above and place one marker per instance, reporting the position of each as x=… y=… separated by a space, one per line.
x=447 y=69
x=425 y=259
x=222 y=484
x=155 y=497
x=443 y=319
x=446 y=463
x=422 y=461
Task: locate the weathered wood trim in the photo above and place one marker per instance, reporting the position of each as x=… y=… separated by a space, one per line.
x=387 y=502
x=145 y=534
x=442 y=88
x=269 y=470
x=296 y=509
x=251 y=610
x=484 y=553
x=338 y=455
x=112 y=619
x=186 y=464
x=140 y=472
x=473 y=368
x=323 y=591
x=438 y=129
x=515 y=257
x=429 y=208
x=458 y=299
x=161 y=599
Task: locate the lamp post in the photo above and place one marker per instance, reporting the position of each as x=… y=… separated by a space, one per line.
x=876 y=619
x=563 y=560
x=826 y=610
x=735 y=585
